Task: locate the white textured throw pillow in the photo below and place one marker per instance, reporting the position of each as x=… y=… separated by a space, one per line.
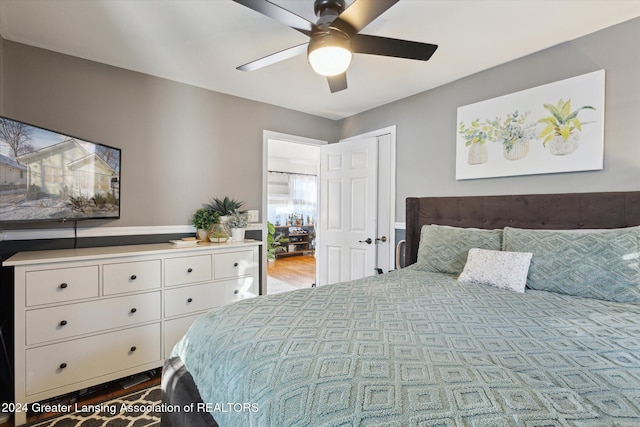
x=505 y=270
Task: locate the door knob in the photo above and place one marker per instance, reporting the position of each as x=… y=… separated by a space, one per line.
x=382 y=239
x=368 y=241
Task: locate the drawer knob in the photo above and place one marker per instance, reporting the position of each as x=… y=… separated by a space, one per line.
x=133 y=310
x=134 y=277
x=189 y=299
x=63 y=322
x=63 y=285
x=63 y=365
x=189 y=270
x=235 y=264
x=236 y=292
x=133 y=348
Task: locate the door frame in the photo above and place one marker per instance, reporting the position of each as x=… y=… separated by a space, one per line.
x=266 y=136
x=391 y=172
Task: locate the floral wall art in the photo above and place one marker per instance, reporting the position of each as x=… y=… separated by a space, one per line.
x=557 y=127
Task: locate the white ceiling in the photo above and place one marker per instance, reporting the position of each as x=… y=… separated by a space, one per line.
x=200 y=42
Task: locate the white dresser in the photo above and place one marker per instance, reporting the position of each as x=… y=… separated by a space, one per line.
x=92 y=315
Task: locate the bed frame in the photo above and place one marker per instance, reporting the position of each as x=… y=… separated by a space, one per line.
x=552 y=211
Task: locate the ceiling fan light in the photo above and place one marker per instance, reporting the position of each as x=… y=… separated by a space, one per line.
x=330 y=60
x=329 y=54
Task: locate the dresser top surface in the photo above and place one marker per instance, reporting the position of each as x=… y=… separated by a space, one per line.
x=79 y=254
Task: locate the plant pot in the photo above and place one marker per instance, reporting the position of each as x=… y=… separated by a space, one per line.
x=478 y=154
x=237 y=234
x=218 y=233
x=202 y=234
x=559 y=147
x=516 y=150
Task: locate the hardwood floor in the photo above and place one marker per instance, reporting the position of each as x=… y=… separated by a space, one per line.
x=298 y=271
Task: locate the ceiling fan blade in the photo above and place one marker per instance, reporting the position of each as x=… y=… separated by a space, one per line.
x=337 y=83
x=360 y=14
x=279 y=14
x=374 y=45
x=275 y=57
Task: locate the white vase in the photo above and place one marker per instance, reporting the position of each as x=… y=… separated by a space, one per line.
x=516 y=150
x=202 y=234
x=237 y=234
x=559 y=147
x=478 y=154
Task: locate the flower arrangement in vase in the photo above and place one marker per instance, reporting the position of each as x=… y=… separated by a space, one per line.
x=515 y=133
x=475 y=136
x=237 y=222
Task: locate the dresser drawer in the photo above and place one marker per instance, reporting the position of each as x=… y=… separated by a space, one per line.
x=190 y=269
x=61 y=364
x=203 y=297
x=61 y=284
x=233 y=264
x=131 y=276
x=174 y=330
x=54 y=323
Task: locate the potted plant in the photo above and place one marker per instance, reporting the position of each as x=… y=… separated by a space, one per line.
x=224 y=207
x=515 y=133
x=237 y=222
x=219 y=233
x=202 y=219
x=274 y=242
x=475 y=136
x=562 y=130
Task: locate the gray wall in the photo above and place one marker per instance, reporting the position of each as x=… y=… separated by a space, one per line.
x=181 y=145
x=426 y=123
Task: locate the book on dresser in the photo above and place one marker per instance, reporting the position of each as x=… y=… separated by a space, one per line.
x=87 y=316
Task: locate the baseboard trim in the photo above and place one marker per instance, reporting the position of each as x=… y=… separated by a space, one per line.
x=69 y=233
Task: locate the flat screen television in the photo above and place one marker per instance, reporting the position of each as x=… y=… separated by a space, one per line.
x=50 y=176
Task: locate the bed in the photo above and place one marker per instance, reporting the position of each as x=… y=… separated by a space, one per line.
x=420 y=347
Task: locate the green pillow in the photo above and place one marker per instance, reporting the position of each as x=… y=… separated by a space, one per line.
x=444 y=249
x=600 y=264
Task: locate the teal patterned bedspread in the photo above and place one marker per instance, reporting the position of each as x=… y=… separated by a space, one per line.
x=414 y=348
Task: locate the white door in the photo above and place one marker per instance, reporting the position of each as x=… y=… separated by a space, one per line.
x=348 y=217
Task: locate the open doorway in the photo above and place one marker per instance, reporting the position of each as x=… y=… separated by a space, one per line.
x=292 y=212
x=384 y=237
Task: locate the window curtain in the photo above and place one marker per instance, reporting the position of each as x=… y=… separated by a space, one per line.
x=289 y=194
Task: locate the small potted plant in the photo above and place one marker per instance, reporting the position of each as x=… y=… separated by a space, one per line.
x=515 y=133
x=202 y=219
x=218 y=233
x=562 y=130
x=237 y=222
x=224 y=207
x=475 y=136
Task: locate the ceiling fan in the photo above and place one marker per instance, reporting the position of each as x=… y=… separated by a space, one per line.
x=334 y=37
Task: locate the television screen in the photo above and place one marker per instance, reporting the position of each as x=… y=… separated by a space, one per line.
x=49 y=176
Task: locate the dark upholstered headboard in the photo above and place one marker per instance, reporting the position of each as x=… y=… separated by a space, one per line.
x=554 y=211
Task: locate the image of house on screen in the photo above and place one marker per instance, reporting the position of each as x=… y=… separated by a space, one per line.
x=68 y=169
x=12 y=173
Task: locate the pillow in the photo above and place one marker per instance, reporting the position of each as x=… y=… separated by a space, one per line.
x=504 y=270
x=443 y=249
x=600 y=264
